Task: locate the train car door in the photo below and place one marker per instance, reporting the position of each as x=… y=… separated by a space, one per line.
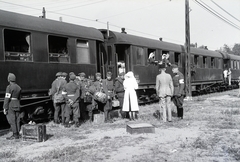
x=102 y=60
x=122 y=57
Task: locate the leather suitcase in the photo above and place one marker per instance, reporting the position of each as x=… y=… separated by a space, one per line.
x=35 y=133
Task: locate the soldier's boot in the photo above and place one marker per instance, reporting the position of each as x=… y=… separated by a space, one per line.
x=14 y=136
x=109 y=118
x=105 y=116
x=77 y=124
x=90 y=116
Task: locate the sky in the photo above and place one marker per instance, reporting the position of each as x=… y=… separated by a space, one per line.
x=147 y=18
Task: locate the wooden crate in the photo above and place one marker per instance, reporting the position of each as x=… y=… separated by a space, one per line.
x=140 y=128
x=35 y=133
x=98 y=118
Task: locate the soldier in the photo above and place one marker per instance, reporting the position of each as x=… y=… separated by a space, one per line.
x=164 y=90
x=56 y=84
x=109 y=88
x=83 y=83
x=119 y=90
x=98 y=87
x=71 y=94
x=11 y=106
x=178 y=94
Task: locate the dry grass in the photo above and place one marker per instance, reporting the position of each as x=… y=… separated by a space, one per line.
x=210 y=131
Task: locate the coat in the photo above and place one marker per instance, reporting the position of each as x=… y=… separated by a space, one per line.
x=164 y=85
x=178 y=83
x=130 y=84
x=119 y=89
x=12 y=97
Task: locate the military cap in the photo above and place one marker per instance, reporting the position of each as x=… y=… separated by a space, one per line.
x=82 y=74
x=11 y=77
x=71 y=73
x=174 y=66
x=98 y=74
x=64 y=74
x=58 y=74
x=72 y=77
x=121 y=74
x=161 y=66
x=109 y=74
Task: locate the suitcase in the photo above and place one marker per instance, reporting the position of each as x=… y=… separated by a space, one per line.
x=35 y=133
x=98 y=118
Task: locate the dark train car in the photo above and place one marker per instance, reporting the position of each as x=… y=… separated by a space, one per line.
x=35 y=49
x=233 y=64
x=134 y=52
x=207 y=68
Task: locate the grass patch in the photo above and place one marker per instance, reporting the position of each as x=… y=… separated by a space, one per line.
x=7 y=154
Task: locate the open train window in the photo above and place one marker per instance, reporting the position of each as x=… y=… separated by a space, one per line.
x=58 y=51
x=140 y=56
x=17 y=45
x=151 y=55
x=177 y=59
x=237 y=64
x=196 y=61
x=205 y=62
x=220 y=63
x=83 y=53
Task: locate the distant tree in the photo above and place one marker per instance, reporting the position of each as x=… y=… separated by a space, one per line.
x=192 y=45
x=236 y=49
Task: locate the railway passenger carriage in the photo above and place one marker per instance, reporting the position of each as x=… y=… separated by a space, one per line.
x=35 y=49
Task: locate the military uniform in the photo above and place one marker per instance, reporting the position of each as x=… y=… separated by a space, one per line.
x=71 y=92
x=178 y=94
x=11 y=106
x=57 y=86
x=109 y=88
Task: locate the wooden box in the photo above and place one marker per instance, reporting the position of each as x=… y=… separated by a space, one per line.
x=140 y=128
x=98 y=118
x=35 y=133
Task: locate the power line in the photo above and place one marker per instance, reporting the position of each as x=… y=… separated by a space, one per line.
x=80 y=5
x=225 y=11
x=130 y=11
x=220 y=17
x=83 y=19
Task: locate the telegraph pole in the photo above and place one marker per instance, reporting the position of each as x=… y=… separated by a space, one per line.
x=188 y=85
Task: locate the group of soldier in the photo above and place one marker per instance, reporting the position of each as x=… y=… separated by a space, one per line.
x=77 y=99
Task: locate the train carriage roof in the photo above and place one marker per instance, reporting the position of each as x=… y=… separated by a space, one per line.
x=25 y=22
x=205 y=52
x=121 y=38
x=234 y=57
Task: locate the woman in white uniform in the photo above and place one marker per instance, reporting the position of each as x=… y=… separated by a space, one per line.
x=130 y=102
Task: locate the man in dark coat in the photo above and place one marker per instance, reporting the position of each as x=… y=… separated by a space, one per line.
x=178 y=94
x=71 y=94
x=11 y=106
x=119 y=90
x=109 y=88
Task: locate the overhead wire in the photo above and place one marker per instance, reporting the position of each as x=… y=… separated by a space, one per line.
x=216 y=14
x=83 y=19
x=225 y=11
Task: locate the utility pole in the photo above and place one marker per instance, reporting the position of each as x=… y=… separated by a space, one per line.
x=188 y=85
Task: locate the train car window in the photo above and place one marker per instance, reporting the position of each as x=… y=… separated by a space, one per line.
x=231 y=64
x=166 y=56
x=17 y=45
x=196 y=61
x=140 y=56
x=212 y=62
x=83 y=52
x=205 y=62
x=219 y=63
x=237 y=64
x=58 y=51
x=151 y=55
x=177 y=59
